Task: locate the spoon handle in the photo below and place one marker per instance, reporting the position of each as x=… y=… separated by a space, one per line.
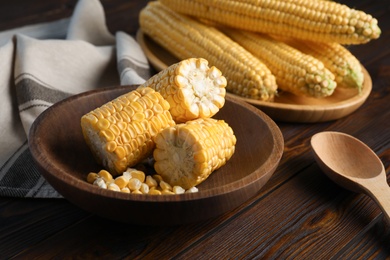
x=380 y=192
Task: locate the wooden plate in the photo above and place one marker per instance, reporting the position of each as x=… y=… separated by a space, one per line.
x=286 y=107
x=63 y=158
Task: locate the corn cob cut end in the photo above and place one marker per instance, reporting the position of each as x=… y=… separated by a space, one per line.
x=192 y=89
x=119 y=133
x=186 y=154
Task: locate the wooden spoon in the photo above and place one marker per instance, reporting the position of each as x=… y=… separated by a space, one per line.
x=353 y=165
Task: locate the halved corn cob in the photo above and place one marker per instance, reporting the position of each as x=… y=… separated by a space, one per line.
x=308 y=20
x=338 y=59
x=295 y=71
x=120 y=132
x=186 y=154
x=186 y=38
x=192 y=89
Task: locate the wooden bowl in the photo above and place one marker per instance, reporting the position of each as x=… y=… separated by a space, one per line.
x=63 y=158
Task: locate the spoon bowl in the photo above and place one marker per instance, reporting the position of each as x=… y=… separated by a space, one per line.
x=353 y=165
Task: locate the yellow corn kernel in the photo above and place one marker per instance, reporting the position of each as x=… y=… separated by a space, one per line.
x=192 y=89
x=178 y=149
x=140 y=175
x=151 y=182
x=192 y=190
x=136 y=192
x=296 y=72
x=121 y=181
x=105 y=175
x=144 y=188
x=167 y=192
x=134 y=184
x=113 y=186
x=154 y=192
x=325 y=21
x=186 y=38
x=91 y=177
x=125 y=190
x=165 y=186
x=112 y=138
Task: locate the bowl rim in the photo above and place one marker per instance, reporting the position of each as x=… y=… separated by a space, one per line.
x=53 y=171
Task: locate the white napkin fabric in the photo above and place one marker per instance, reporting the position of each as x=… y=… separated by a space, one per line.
x=44 y=63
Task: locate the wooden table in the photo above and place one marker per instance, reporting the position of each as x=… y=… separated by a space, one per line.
x=299 y=213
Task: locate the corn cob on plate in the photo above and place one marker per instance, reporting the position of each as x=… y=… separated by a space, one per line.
x=64 y=159
x=285 y=107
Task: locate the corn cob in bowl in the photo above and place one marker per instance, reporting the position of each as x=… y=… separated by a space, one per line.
x=314 y=20
x=186 y=154
x=120 y=132
x=187 y=38
x=192 y=88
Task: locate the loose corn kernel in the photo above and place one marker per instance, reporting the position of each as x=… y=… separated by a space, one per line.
x=127 y=175
x=100 y=183
x=105 y=175
x=125 y=190
x=113 y=186
x=192 y=190
x=121 y=181
x=178 y=190
x=134 y=184
x=151 y=182
x=140 y=175
x=167 y=192
x=91 y=177
x=165 y=186
x=154 y=192
x=126 y=184
x=144 y=188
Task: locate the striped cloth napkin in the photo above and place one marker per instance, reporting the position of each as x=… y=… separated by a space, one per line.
x=45 y=63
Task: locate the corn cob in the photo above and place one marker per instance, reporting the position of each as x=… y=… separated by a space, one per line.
x=186 y=154
x=120 y=132
x=295 y=71
x=186 y=38
x=339 y=60
x=192 y=89
x=308 y=20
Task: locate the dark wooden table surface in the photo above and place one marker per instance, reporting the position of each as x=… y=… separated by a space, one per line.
x=299 y=213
